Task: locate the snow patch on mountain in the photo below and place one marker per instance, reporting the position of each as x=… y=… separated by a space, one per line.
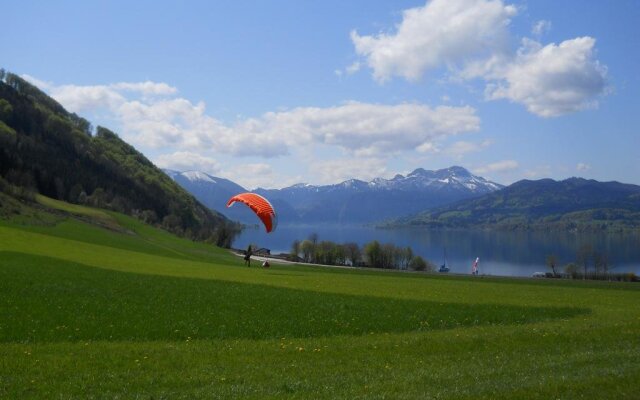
x=198 y=176
x=454 y=178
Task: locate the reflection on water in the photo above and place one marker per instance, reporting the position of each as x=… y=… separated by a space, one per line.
x=501 y=253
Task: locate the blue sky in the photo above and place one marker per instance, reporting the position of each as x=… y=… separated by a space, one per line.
x=274 y=93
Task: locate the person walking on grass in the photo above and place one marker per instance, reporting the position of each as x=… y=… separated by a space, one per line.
x=247 y=256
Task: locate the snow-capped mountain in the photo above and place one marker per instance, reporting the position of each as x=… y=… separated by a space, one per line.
x=351 y=201
x=359 y=201
x=453 y=178
x=212 y=191
x=197 y=180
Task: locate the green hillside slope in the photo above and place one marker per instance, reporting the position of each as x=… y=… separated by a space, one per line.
x=119 y=309
x=45 y=149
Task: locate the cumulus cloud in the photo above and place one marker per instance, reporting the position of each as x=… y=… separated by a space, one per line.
x=541 y=171
x=470 y=38
x=428 y=147
x=497 y=167
x=254 y=175
x=339 y=170
x=83 y=98
x=186 y=161
x=443 y=32
x=583 y=167
x=151 y=116
x=461 y=148
x=147 y=88
x=353 y=68
x=541 y=27
x=551 y=80
x=359 y=128
x=43 y=85
x=364 y=128
x=78 y=98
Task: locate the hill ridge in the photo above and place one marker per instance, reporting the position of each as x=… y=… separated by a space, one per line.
x=48 y=150
x=570 y=204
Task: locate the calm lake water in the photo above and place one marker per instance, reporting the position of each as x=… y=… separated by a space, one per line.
x=501 y=253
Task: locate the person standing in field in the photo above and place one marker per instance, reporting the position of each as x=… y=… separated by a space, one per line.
x=247 y=256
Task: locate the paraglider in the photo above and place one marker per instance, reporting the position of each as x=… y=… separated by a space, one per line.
x=261 y=206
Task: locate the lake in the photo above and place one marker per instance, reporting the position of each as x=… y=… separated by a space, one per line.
x=501 y=253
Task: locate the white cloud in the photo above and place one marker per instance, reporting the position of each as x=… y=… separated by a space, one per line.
x=362 y=129
x=148 y=88
x=428 y=147
x=349 y=70
x=39 y=83
x=541 y=171
x=339 y=170
x=541 y=27
x=551 y=80
x=497 y=167
x=179 y=132
x=353 y=68
x=461 y=148
x=79 y=98
x=470 y=38
x=441 y=33
x=583 y=167
x=83 y=98
x=254 y=175
x=186 y=161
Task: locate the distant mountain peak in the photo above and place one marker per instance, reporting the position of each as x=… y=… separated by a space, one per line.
x=418 y=172
x=301 y=185
x=352 y=200
x=458 y=171
x=440 y=173
x=195 y=176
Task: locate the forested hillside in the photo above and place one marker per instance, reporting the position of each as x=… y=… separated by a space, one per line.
x=46 y=149
x=574 y=204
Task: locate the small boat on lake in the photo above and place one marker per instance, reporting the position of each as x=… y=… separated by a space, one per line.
x=443 y=267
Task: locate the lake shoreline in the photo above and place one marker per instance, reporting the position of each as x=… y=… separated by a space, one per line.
x=283 y=262
x=501 y=253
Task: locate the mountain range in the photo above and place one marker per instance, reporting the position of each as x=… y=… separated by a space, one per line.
x=46 y=149
x=450 y=198
x=351 y=201
x=574 y=204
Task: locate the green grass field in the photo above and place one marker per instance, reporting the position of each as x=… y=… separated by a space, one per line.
x=117 y=309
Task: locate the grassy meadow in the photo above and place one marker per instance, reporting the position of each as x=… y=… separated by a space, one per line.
x=94 y=304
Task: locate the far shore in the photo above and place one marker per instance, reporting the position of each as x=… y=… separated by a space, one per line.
x=282 y=261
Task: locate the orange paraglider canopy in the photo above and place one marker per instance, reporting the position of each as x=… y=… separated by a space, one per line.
x=261 y=206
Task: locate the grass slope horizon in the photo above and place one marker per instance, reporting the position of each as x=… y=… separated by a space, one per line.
x=96 y=304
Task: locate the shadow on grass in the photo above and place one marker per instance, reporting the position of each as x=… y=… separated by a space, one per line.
x=49 y=300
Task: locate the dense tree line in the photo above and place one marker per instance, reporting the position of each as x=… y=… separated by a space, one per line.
x=45 y=149
x=373 y=254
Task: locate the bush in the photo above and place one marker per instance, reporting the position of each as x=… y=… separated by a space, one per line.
x=571 y=269
x=418 y=263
